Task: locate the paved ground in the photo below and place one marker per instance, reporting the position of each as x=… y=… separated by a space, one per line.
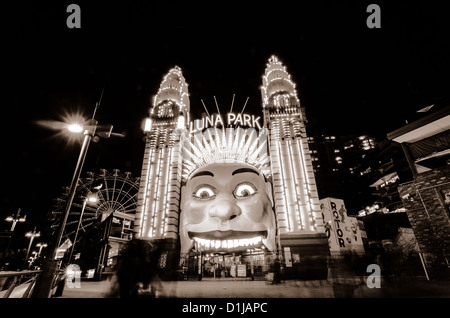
x=260 y=289
x=243 y=298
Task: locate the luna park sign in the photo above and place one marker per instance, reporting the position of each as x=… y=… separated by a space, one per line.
x=232 y=119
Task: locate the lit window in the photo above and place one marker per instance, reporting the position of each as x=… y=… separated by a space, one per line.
x=348 y=146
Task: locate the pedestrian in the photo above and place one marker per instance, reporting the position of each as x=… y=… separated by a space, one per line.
x=277 y=271
x=129 y=270
x=342 y=276
x=137 y=271
x=153 y=271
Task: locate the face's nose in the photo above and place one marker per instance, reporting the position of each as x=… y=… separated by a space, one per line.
x=225 y=209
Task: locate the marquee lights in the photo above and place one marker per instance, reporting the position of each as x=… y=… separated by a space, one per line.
x=208 y=245
x=144 y=210
x=282 y=214
x=278 y=90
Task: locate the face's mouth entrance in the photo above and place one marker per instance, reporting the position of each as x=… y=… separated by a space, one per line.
x=228 y=240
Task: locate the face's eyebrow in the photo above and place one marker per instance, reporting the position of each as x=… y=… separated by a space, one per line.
x=242 y=170
x=203 y=173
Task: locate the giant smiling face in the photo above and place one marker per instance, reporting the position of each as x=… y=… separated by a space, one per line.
x=226 y=206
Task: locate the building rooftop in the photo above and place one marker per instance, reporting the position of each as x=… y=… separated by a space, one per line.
x=432 y=123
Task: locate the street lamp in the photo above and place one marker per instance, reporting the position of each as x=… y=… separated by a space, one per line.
x=31 y=236
x=91 y=198
x=32 y=258
x=14 y=220
x=75 y=128
x=45 y=281
x=90 y=129
x=41 y=246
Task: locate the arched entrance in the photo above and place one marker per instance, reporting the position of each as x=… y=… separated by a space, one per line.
x=249 y=264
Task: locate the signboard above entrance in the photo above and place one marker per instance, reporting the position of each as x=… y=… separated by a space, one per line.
x=232 y=119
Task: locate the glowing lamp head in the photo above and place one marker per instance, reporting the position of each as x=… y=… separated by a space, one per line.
x=29 y=234
x=75 y=128
x=92 y=199
x=181 y=122
x=147 y=125
x=9 y=219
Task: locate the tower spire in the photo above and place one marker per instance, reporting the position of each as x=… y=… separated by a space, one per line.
x=284 y=118
x=276 y=79
x=173 y=88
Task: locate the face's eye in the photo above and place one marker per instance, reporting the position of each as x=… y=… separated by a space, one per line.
x=245 y=189
x=204 y=192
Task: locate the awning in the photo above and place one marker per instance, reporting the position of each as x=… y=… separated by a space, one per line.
x=434 y=155
x=427 y=126
x=383 y=179
x=63 y=248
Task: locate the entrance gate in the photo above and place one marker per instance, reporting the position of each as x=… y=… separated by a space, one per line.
x=251 y=265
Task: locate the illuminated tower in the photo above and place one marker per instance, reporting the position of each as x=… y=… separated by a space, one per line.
x=159 y=194
x=294 y=186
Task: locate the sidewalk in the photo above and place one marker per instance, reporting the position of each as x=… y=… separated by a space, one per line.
x=229 y=297
x=260 y=289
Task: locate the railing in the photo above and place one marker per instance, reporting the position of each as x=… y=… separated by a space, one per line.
x=19 y=282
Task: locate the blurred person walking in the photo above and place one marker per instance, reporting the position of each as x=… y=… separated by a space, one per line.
x=137 y=273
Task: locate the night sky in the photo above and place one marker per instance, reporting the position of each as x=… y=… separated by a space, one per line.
x=350 y=78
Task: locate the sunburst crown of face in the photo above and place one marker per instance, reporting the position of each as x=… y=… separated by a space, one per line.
x=244 y=145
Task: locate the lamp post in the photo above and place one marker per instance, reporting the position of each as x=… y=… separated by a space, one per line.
x=92 y=198
x=89 y=132
x=41 y=246
x=90 y=128
x=45 y=281
x=30 y=235
x=14 y=220
x=32 y=259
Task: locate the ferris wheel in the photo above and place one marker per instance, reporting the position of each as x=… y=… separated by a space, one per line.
x=114 y=192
